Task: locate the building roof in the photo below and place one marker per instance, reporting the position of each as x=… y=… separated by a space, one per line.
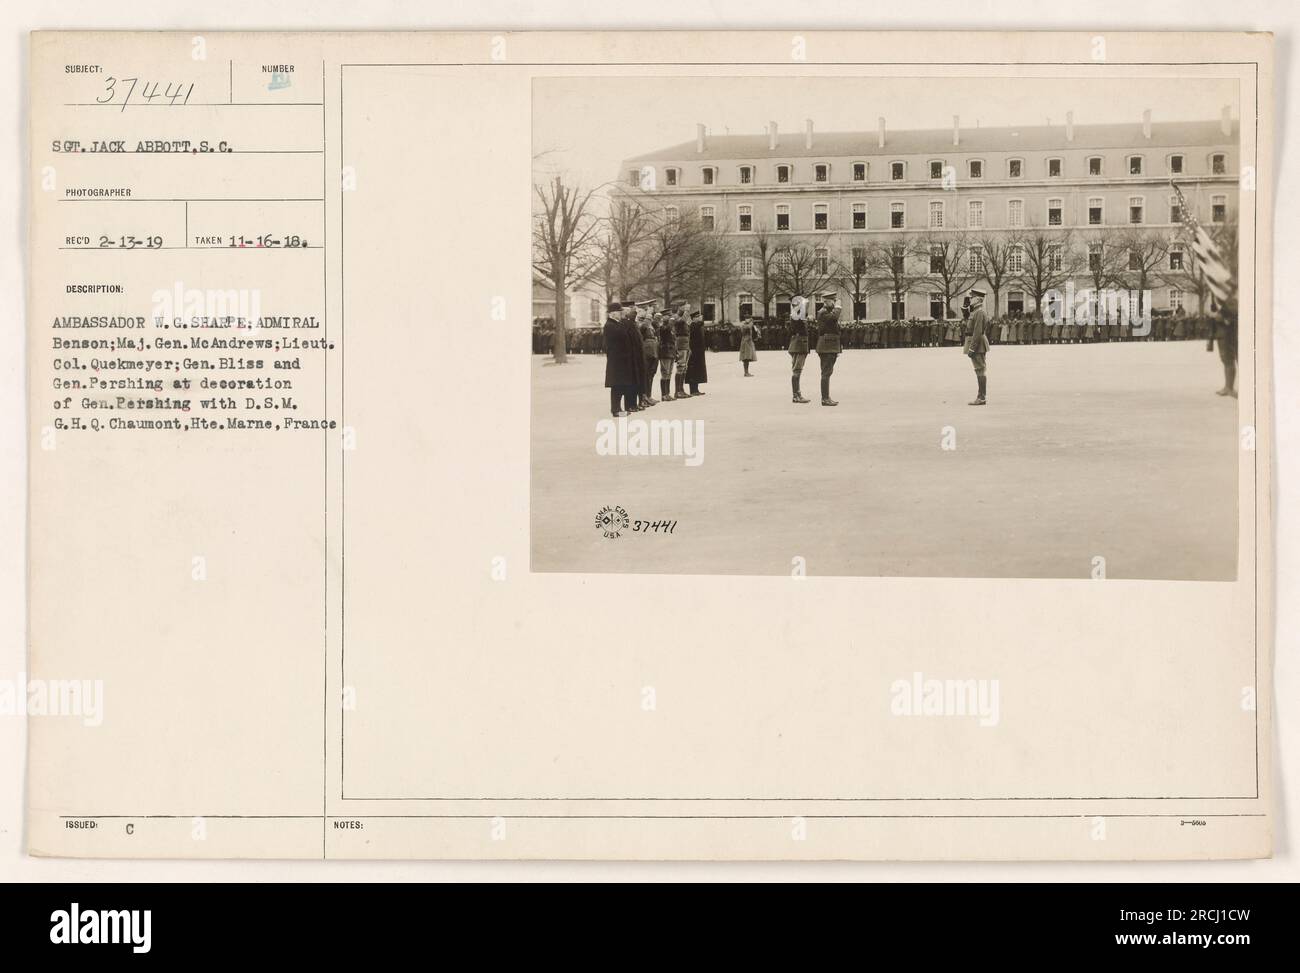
x=1030 y=138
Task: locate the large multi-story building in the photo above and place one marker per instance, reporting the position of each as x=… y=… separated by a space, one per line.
x=844 y=191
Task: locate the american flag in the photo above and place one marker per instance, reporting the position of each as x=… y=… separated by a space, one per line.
x=1209 y=258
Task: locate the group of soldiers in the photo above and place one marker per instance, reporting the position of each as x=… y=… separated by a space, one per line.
x=774 y=334
x=639 y=341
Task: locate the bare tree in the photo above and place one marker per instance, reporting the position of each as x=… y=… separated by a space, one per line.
x=564 y=246
x=803 y=267
x=677 y=250
x=854 y=276
x=995 y=254
x=764 y=250
x=890 y=264
x=947 y=271
x=1146 y=253
x=1107 y=259
x=1048 y=259
x=628 y=231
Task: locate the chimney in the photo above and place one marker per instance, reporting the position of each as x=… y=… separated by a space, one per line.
x=881 y=123
x=807 y=133
x=1146 y=123
x=956 y=130
x=1225 y=120
x=771 y=135
x=1069 y=126
x=699 y=137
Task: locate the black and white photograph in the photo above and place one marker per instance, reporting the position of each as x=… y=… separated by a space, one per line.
x=920 y=326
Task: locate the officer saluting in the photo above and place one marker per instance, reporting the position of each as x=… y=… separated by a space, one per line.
x=977 y=345
x=828 y=344
x=682 y=340
x=798 y=355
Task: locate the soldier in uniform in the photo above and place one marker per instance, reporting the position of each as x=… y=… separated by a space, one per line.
x=650 y=350
x=667 y=355
x=697 y=370
x=620 y=374
x=1224 y=329
x=828 y=344
x=977 y=345
x=682 y=342
x=748 y=353
x=798 y=355
x=634 y=346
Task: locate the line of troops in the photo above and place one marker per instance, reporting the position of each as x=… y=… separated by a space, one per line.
x=640 y=341
x=774 y=335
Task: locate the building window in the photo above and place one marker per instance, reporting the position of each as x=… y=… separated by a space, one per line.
x=1218 y=164
x=859 y=260
x=897 y=305
x=859 y=172
x=782 y=173
x=1015 y=303
x=936 y=169
x=1175 y=298
x=782 y=216
x=706 y=217
x=976 y=169
x=593 y=310
x=1055 y=212
x=745 y=218
x=859 y=310
x=746 y=175
x=1135 y=165
x=1175 y=211
x=634 y=177
x=1015 y=260
x=859 y=216
x=1134 y=260
x=710 y=310
x=1096 y=211
x=936 y=213
x=1053 y=168
x=897 y=215
x=975 y=214
x=670 y=177
x=820 y=216
x=671 y=213
x=1094 y=165
x=1176 y=164
x=745 y=306
x=708 y=175
x=1094 y=257
x=821 y=172
x=936 y=307
x=1218 y=209
x=1136 y=208
x=821 y=261
x=783 y=307
x=1176 y=257
x=975 y=261
x=1015 y=213
x=745 y=265
x=1015 y=168
x=898 y=171
x=1055 y=253
x=936 y=259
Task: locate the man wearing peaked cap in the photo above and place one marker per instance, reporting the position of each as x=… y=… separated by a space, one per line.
x=977 y=345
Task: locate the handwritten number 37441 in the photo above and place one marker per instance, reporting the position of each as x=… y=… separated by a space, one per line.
x=149 y=93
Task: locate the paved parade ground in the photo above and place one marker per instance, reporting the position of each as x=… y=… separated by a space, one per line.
x=1114 y=450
